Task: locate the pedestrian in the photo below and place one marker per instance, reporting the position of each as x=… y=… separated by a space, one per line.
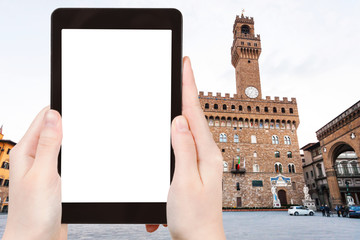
x=342 y=210
x=322 y=209
x=346 y=211
x=327 y=210
x=337 y=209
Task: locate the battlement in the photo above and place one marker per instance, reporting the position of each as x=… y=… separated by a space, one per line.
x=243 y=19
x=227 y=96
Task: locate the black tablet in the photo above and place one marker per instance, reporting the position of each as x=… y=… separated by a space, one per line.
x=116 y=81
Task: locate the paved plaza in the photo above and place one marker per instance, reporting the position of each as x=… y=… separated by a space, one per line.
x=238 y=225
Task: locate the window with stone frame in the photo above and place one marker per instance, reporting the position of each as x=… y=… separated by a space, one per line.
x=291 y=167
x=6 y=183
x=224 y=107
x=287 y=140
x=275 y=139
x=256 y=168
x=253 y=139
x=216 y=106
x=277 y=154
x=236 y=138
x=5 y=165
x=225 y=166
x=289 y=154
x=233 y=107
x=223 y=137
x=211 y=121
x=278 y=168
x=206 y=106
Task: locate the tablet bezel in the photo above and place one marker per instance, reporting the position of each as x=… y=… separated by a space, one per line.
x=115 y=18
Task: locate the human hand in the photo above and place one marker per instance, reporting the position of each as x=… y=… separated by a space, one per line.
x=194 y=207
x=35 y=186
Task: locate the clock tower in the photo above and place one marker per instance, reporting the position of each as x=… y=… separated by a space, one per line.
x=245 y=53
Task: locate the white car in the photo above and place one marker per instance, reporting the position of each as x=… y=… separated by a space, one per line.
x=300 y=210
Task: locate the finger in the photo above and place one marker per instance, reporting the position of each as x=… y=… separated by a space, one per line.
x=151 y=227
x=186 y=167
x=63 y=232
x=49 y=143
x=23 y=154
x=208 y=152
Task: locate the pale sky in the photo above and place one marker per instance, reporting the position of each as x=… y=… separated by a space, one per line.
x=309 y=51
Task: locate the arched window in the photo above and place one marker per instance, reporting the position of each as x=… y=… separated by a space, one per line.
x=225 y=166
x=288 y=124
x=246 y=123
x=245 y=29
x=255 y=154
x=251 y=123
x=289 y=154
x=266 y=109
x=283 y=123
x=216 y=106
x=277 y=154
x=261 y=124
x=223 y=122
x=278 y=167
x=274 y=110
x=287 y=140
x=211 y=121
x=291 y=110
x=277 y=125
x=240 y=108
x=224 y=107
x=217 y=121
x=257 y=109
x=283 y=110
x=223 y=137
x=234 y=122
x=256 y=168
x=236 y=138
x=249 y=109
x=291 y=167
x=228 y=122
x=206 y=106
x=241 y=122
x=275 y=139
x=272 y=123
x=233 y=107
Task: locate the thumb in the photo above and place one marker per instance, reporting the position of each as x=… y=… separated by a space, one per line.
x=49 y=142
x=186 y=167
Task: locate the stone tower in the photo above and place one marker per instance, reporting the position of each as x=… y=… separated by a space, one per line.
x=245 y=53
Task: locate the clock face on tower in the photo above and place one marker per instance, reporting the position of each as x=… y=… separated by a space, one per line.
x=251 y=92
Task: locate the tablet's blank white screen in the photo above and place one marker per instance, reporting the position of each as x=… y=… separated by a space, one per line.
x=116 y=112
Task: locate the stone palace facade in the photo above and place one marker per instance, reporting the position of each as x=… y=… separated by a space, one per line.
x=257 y=136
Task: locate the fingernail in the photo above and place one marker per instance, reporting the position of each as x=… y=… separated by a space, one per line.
x=51 y=119
x=181 y=124
x=187 y=62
